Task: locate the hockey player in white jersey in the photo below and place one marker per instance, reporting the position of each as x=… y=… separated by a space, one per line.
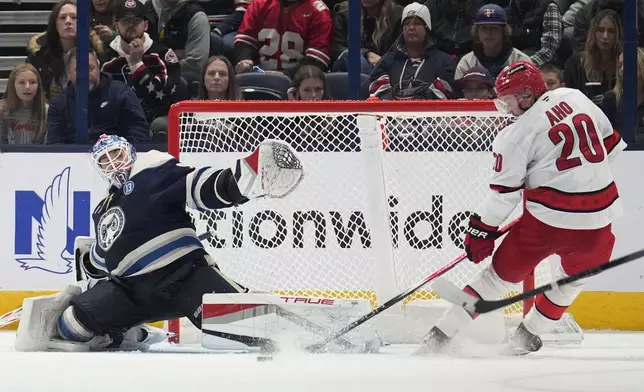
x=556 y=156
x=147 y=257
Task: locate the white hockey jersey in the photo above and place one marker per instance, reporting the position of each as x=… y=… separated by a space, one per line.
x=559 y=154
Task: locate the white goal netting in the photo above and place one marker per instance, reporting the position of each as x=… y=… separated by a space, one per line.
x=387 y=193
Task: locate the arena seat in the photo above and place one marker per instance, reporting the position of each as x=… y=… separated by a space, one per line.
x=271 y=86
x=338 y=83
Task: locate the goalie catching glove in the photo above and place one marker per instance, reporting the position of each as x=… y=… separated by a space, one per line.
x=479 y=239
x=272 y=170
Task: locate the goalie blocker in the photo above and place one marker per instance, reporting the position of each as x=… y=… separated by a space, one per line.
x=146 y=244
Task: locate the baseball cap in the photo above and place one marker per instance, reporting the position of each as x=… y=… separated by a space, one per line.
x=490 y=14
x=477 y=73
x=127 y=9
x=419 y=10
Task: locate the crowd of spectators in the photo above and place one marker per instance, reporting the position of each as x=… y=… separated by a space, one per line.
x=147 y=55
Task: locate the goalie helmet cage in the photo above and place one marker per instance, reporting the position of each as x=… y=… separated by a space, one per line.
x=387 y=192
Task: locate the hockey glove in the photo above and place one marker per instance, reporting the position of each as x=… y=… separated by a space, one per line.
x=272 y=170
x=479 y=240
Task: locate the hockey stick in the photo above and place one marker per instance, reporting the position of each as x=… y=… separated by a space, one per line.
x=400 y=297
x=10 y=317
x=471 y=304
x=14 y=315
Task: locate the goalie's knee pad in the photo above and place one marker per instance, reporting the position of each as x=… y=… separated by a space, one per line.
x=70 y=328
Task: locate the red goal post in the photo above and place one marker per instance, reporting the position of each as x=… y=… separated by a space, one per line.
x=388 y=188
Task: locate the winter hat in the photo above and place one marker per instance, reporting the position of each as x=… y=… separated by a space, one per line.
x=419 y=10
x=490 y=14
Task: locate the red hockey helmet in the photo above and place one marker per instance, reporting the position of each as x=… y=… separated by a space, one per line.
x=514 y=78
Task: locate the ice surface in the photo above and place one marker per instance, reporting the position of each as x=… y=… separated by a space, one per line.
x=604 y=362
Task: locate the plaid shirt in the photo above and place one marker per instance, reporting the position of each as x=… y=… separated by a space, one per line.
x=551 y=37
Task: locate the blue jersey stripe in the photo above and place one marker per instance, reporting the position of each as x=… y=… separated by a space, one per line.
x=160 y=252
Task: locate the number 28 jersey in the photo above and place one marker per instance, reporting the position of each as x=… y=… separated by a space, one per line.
x=282 y=34
x=559 y=154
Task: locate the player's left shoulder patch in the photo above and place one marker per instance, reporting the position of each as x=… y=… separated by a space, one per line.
x=319 y=5
x=171 y=57
x=128 y=188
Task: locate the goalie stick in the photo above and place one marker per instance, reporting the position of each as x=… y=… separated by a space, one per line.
x=400 y=297
x=14 y=315
x=471 y=304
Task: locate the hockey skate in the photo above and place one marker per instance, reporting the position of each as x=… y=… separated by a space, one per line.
x=434 y=342
x=141 y=337
x=524 y=342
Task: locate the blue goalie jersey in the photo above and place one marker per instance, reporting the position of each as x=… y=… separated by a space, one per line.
x=144 y=225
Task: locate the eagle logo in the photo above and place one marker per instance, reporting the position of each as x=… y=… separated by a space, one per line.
x=51 y=233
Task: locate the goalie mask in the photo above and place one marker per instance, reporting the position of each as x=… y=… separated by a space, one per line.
x=113 y=157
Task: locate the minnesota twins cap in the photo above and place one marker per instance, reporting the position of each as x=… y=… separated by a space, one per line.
x=490 y=14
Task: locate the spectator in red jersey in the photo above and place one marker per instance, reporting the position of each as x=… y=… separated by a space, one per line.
x=218 y=81
x=277 y=35
x=415 y=69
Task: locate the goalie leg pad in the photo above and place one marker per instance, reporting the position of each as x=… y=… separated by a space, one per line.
x=40 y=317
x=70 y=328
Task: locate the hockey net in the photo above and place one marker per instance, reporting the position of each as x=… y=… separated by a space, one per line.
x=387 y=193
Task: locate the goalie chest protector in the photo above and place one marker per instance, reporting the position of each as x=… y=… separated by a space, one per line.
x=144 y=225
